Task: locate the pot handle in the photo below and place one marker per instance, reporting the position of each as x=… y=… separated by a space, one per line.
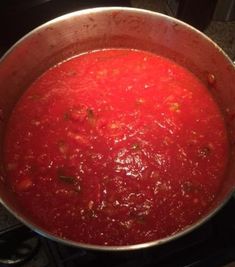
x=18 y=243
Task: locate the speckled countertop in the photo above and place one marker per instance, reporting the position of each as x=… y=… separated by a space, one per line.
x=223 y=33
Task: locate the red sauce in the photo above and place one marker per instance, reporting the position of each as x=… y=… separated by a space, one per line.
x=116 y=147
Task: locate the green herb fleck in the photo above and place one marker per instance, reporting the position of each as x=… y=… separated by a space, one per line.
x=66 y=116
x=175 y=107
x=66 y=179
x=189 y=187
x=141 y=220
x=91 y=116
x=90 y=113
x=77 y=189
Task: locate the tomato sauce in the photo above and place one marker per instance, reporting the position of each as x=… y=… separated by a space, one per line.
x=116 y=147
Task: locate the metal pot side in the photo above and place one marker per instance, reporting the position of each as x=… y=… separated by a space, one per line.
x=116 y=27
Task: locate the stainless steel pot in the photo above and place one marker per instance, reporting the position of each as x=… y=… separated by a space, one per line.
x=98 y=28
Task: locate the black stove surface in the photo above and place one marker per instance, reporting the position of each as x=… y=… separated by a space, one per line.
x=18 y=17
x=211 y=245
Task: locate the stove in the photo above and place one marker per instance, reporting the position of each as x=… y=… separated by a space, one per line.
x=211 y=245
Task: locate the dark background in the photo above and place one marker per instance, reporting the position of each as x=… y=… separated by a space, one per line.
x=17 y=17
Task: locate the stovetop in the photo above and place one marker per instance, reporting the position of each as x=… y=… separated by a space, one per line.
x=211 y=245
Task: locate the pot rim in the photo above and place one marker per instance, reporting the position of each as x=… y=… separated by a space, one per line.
x=114 y=8
x=158 y=242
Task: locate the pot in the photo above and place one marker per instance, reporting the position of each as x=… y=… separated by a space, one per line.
x=114 y=27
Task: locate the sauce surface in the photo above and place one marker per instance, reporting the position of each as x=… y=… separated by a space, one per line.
x=116 y=147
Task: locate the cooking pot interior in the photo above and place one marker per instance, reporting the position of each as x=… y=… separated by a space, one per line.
x=115 y=28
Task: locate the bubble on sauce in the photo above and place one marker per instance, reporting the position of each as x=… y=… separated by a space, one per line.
x=211 y=78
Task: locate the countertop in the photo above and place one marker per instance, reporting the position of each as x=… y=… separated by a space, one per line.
x=223 y=33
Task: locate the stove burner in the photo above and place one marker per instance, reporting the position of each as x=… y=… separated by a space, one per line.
x=17 y=244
